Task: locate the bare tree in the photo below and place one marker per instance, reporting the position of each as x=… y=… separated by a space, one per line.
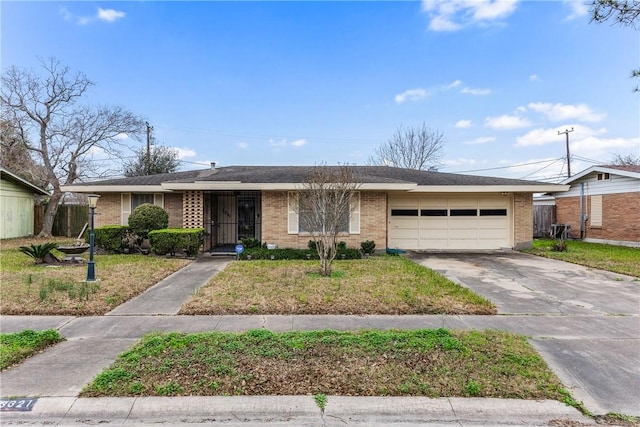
x=161 y=159
x=623 y=12
x=65 y=133
x=325 y=203
x=411 y=148
x=15 y=156
x=626 y=160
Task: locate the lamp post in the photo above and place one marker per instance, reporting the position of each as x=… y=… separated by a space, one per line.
x=91 y=269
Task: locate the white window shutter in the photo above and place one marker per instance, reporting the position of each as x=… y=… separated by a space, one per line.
x=354 y=216
x=292 y=217
x=596 y=211
x=125 y=208
x=158 y=199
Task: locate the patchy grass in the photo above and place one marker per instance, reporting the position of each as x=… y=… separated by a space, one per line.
x=378 y=285
x=26 y=288
x=18 y=346
x=618 y=259
x=429 y=362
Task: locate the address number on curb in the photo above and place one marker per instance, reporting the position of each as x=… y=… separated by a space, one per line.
x=24 y=404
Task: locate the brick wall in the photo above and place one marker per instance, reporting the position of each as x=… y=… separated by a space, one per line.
x=108 y=211
x=523 y=220
x=620 y=216
x=373 y=221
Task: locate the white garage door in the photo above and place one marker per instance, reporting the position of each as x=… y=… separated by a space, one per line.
x=450 y=222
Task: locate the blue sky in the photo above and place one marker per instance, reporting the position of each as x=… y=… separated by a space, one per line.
x=300 y=83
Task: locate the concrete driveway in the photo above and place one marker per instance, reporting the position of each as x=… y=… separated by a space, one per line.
x=598 y=354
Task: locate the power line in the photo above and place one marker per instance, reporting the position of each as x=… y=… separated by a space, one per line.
x=509 y=166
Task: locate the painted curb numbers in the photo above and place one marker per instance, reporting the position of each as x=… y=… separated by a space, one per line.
x=21 y=404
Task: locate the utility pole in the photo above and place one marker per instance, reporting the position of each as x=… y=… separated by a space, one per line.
x=149 y=129
x=566 y=132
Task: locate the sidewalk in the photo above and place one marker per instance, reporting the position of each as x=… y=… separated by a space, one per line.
x=57 y=375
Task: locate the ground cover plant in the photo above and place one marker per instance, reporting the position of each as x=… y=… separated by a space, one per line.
x=428 y=362
x=618 y=259
x=26 y=288
x=18 y=346
x=377 y=285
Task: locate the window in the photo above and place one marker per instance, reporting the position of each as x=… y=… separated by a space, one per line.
x=404 y=212
x=138 y=199
x=603 y=176
x=596 y=211
x=299 y=210
x=463 y=212
x=433 y=212
x=493 y=212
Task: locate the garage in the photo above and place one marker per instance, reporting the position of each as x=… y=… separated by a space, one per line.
x=441 y=222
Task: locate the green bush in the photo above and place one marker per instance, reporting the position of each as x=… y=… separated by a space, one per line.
x=110 y=237
x=250 y=242
x=146 y=218
x=368 y=247
x=172 y=240
x=289 y=253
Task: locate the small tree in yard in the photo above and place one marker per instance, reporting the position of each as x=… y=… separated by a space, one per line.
x=324 y=204
x=146 y=218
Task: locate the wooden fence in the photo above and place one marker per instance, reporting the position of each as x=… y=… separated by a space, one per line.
x=543 y=217
x=68 y=222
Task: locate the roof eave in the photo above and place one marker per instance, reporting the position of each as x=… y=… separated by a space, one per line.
x=525 y=188
x=114 y=189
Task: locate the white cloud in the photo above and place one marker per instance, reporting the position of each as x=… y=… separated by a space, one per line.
x=533 y=78
x=477 y=92
x=578 y=9
x=185 y=152
x=411 y=95
x=506 y=122
x=121 y=136
x=242 y=145
x=460 y=162
x=562 y=112
x=107 y=15
x=281 y=143
x=110 y=15
x=453 y=15
x=463 y=124
x=299 y=142
x=453 y=85
x=481 y=140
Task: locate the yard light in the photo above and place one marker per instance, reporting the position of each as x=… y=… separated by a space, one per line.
x=91 y=269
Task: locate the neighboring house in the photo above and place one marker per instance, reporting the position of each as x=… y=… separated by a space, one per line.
x=607 y=198
x=397 y=208
x=17 y=205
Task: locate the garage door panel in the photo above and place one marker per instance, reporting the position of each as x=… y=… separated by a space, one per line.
x=486 y=224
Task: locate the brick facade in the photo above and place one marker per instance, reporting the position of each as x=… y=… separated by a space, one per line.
x=109 y=209
x=620 y=216
x=522 y=220
x=373 y=221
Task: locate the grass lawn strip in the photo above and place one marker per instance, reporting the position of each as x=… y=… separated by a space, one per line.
x=618 y=259
x=429 y=362
x=29 y=289
x=16 y=347
x=377 y=285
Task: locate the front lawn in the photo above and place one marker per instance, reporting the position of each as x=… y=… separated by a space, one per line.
x=377 y=285
x=429 y=362
x=18 y=346
x=618 y=259
x=26 y=288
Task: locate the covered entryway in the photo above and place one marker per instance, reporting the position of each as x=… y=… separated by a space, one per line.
x=233 y=216
x=441 y=222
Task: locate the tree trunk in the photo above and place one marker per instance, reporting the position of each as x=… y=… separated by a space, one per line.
x=50 y=214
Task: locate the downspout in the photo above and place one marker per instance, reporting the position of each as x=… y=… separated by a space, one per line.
x=582 y=216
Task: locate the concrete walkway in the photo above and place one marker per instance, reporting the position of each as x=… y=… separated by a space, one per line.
x=57 y=375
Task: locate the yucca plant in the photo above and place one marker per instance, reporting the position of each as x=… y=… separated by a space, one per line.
x=38 y=252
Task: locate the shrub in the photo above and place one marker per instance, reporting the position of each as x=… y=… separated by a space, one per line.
x=146 y=218
x=289 y=253
x=172 y=240
x=38 y=252
x=368 y=247
x=250 y=242
x=559 y=246
x=111 y=237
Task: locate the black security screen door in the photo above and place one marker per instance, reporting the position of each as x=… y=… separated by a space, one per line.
x=246 y=217
x=234 y=216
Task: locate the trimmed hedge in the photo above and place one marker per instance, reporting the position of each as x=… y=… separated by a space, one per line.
x=288 y=253
x=146 y=218
x=172 y=240
x=110 y=237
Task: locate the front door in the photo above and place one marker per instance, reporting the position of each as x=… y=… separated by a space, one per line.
x=234 y=216
x=246 y=217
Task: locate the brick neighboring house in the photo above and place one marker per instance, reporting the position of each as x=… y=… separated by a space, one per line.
x=608 y=200
x=398 y=208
